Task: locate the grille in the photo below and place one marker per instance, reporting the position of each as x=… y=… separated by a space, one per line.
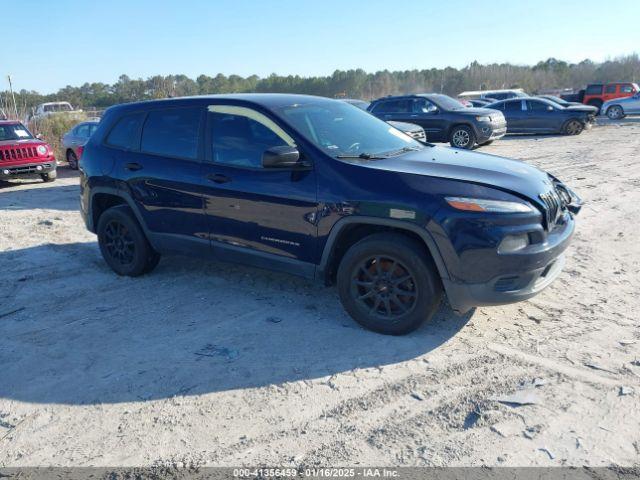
x=17 y=153
x=553 y=206
x=418 y=135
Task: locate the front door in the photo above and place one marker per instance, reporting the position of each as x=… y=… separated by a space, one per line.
x=428 y=116
x=260 y=216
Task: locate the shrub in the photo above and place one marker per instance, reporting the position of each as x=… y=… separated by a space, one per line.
x=53 y=127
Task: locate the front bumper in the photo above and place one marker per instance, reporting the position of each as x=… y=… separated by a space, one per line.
x=539 y=269
x=27 y=169
x=489 y=132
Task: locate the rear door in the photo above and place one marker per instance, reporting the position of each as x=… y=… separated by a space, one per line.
x=163 y=176
x=611 y=91
x=257 y=215
x=399 y=109
x=515 y=115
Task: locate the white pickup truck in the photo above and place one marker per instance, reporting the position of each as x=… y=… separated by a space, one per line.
x=50 y=108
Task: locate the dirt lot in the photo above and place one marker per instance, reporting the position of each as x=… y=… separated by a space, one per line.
x=215 y=364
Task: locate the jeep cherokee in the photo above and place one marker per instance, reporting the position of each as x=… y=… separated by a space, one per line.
x=320 y=188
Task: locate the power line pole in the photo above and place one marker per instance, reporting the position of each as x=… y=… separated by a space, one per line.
x=15 y=106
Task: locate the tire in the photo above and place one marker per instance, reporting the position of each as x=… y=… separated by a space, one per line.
x=123 y=244
x=49 y=177
x=369 y=281
x=615 y=112
x=487 y=143
x=462 y=137
x=597 y=104
x=573 y=127
x=72 y=159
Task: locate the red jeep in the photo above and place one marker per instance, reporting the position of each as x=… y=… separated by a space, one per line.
x=597 y=93
x=22 y=155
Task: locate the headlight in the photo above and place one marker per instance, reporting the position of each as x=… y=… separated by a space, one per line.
x=483 y=118
x=42 y=150
x=484 y=205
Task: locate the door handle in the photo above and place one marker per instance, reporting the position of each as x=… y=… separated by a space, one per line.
x=218 y=178
x=133 y=166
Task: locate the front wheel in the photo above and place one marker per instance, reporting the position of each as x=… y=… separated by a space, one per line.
x=615 y=112
x=387 y=284
x=49 y=176
x=123 y=244
x=462 y=137
x=573 y=127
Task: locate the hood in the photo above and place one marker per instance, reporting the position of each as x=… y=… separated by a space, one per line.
x=581 y=108
x=405 y=127
x=26 y=142
x=513 y=176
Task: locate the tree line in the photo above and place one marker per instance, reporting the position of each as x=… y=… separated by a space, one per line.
x=548 y=75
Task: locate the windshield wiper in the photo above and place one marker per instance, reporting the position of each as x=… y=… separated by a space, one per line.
x=363 y=156
x=401 y=151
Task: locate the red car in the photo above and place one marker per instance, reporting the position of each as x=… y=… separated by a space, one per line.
x=596 y=94
x=23 y=155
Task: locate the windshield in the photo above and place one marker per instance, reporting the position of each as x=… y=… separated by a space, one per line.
x=446 y=102
x=14 y=131
x=58 y=107
x=341 y=129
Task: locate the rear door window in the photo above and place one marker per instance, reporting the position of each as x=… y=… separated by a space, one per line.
x=394 y=106
x=514 y=106
x=82 y=131
x=172 y=132
x=126 y=132
x=593 y=90
x=610 y=89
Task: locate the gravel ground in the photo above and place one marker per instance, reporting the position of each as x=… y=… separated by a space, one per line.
x=216 y=364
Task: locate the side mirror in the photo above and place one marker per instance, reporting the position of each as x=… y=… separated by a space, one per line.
x=279 y=157
x=549 y=108
x=40 y=136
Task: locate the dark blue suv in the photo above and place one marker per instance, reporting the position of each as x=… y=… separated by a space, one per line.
x=319 y=188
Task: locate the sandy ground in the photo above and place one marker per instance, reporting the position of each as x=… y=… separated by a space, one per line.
x=216 y=364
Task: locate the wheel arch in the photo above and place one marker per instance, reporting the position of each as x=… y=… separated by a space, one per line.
x=103 y=198
x=347 y=231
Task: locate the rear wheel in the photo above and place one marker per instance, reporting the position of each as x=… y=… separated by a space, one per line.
x=49 y=176
x=72 y=159
x=388 y=284
x=462 y=137
x=123 y=244
x=615 y=112
x=573 y=127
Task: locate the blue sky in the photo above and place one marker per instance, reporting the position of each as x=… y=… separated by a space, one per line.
x=70 y=42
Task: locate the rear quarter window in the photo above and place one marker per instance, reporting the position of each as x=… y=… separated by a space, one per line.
x=172 y=132
x=126 y=131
